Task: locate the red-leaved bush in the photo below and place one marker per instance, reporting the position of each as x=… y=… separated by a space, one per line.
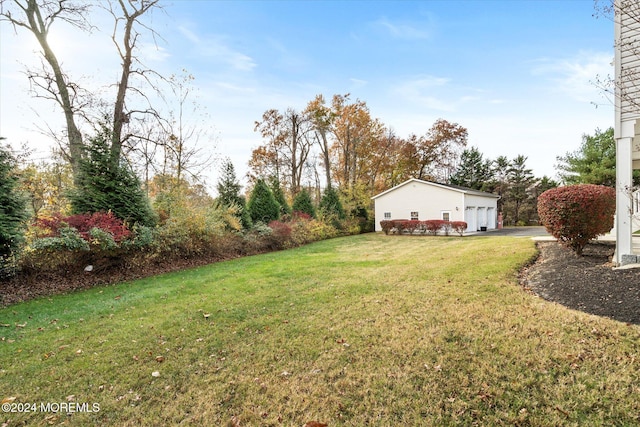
x=459 y=226
x=431 y=226
x=576 y=214
x=105 y=221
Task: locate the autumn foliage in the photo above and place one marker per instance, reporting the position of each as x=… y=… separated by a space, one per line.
x=84 y=223
x=576 y=214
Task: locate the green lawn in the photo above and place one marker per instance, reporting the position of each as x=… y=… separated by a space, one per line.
x=368 y=330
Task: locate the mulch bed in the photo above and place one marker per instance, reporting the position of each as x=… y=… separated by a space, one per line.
x=587 y=283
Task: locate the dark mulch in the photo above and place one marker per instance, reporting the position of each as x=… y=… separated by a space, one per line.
x=587 y=283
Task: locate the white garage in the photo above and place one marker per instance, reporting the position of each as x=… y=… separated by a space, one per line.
x=416 y=199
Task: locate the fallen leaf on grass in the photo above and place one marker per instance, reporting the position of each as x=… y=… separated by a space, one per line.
x=159 y=359
x=315 y=424
x=155 y=374
x=8 y=399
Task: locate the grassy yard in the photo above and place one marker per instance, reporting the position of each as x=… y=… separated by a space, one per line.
x=368 y=330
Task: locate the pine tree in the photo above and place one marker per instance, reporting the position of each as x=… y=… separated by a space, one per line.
x=229 y=193
x=473 y=172
x=303 y=203
x=263 y=207
x=13 y=211
x=330 y=204
x=102 y=186
x=276 y=189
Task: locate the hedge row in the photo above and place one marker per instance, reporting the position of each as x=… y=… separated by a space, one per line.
x=430 y=226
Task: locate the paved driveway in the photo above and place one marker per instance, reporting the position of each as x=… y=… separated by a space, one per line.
x=516 y=232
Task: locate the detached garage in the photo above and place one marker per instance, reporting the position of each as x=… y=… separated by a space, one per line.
x=423 y=200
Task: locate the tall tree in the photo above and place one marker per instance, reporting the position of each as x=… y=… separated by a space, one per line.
x=473 y=171
x=435 y=154
x=51 y=82
x=322 y=118
x=520 y=180
x=288 y=145
x=229 y=192
x=38 y=17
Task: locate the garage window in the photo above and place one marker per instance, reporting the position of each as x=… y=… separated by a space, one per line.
x=387 y=215
x=414 y=216
x=446 y=216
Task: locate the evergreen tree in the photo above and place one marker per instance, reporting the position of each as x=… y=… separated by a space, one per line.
x=228 y=186
x=103 y=185
x=229 y=193
x=13 y=211
x=594 y=162
x=473 y=172
x=262 y=205
x=303 y=203
x=276 y=189
x=520 y=180
x=330 y=204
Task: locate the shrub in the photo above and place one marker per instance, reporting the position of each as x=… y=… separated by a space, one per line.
x=386 y=225
x=330 y=204
x=51 y=253
x=577 y=213
x=280 y=235
x=433 y=225
x=83 y=223
x=303 y=203
x=459 y=226
x=262 y=206
x=412 y=225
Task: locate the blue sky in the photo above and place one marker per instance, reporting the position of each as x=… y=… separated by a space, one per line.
x=519 y=75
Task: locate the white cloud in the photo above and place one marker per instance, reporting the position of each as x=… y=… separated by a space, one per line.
x=577 y=75
x=216 y=48
x=404 y=31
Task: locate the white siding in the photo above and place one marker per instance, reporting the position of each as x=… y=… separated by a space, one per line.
x=427 y=199
x=628 y=79
x=431 y=200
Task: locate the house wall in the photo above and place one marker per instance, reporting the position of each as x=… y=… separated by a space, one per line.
x=481 y=212
x=431 y=201
x=428 y=200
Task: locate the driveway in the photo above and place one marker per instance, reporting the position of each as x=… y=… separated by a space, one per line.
x=516 y=232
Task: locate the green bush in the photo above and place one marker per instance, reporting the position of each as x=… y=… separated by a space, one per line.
x=262 y=206
x=331 y=205
x=576 y=214
x=303 y=203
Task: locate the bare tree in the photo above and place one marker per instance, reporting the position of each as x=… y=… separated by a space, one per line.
x=38 y=17
x=51 y=82
x=126 y=19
